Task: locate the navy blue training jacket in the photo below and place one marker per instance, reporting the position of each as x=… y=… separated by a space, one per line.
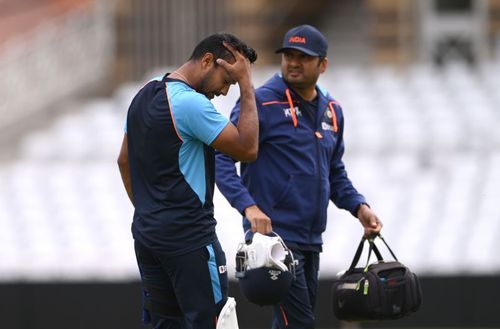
x=299 y=167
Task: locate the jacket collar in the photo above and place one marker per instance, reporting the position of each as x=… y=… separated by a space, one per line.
x=278 y=85
x=325 y=101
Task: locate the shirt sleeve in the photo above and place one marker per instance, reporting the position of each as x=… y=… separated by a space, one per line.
x=197 y=118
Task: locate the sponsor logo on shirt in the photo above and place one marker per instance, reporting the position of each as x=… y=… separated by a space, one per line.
x=326 y=126
x=288 y=113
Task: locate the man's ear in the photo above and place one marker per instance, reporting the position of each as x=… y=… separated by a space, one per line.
x=323 y=65
x=207 y=61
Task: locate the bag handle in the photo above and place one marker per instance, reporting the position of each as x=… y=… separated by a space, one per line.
x=372 y=247
x=359 y=251
x=387 y=246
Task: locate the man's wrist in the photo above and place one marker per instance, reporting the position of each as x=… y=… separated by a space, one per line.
x=244 y=212
x=358 y=208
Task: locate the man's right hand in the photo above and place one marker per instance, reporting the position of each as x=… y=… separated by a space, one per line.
x=260 y=222
x=240 y=70
x=240 y=142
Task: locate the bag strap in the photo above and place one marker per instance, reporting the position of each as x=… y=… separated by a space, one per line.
x=359 y=251
x=388 y=248
x=372 y=247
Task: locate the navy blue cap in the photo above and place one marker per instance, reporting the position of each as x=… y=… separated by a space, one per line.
x=307 y=39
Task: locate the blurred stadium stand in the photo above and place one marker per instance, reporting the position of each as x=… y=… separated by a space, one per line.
x=50 y=50
x=429 y=162
x=422 y=107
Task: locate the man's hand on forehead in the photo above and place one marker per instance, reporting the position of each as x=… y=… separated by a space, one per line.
x=239 y=69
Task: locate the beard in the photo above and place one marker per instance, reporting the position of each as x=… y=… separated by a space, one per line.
x=299 y=82
x=204 y=85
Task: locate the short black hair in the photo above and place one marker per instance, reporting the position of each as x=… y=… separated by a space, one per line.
x=213 y=44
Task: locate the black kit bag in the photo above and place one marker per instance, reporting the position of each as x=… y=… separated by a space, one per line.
x=383 y=290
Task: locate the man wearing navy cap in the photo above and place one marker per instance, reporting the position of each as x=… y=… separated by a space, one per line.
x=298 y=170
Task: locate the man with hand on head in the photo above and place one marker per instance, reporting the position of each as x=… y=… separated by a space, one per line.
x=298 y=170
x=167 y=167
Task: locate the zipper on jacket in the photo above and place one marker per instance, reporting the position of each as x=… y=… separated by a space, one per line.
x=292 y=107
x=319 y=136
